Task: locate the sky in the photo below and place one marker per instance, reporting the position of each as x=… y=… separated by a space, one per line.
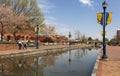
x=73 y=15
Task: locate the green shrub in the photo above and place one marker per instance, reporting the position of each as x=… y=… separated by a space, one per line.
x=6 y=42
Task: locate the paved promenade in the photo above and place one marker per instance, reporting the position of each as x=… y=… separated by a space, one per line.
x=112 y=66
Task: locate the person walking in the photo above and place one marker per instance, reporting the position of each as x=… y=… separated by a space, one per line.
x=19 y=44
x=25 y=44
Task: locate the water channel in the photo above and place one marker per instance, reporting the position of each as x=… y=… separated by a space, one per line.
x=78 y=62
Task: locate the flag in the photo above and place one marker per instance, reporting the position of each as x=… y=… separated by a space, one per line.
x=38 y=29
x=108 y=18
x=99 y=18
x=101 y=33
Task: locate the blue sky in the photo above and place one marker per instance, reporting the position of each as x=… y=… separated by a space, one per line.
x=71 y=15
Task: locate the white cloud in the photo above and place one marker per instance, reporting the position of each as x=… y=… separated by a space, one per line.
x=87 y=2
x=45 y=6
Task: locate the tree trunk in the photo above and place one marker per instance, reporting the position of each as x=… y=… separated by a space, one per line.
x=14 y=34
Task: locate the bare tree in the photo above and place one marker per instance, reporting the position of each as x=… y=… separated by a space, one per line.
x=49 y=30
x=77 y=35
x=17 y=14
x=5 y=15
x=11 y=22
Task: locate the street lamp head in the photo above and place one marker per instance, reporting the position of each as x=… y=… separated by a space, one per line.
x=69 y=34
x=104 y=5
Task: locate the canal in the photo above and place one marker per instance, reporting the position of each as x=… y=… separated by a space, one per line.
x=78 y=62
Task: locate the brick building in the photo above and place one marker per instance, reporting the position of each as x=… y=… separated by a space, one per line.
x=32 y=37
x=9 y=37
x=118 y=35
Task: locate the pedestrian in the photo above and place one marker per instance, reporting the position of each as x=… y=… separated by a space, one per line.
x=25 y=44
x=22 y=44
x=19 y=44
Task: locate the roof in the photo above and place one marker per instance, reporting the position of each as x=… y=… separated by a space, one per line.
x=118 y=29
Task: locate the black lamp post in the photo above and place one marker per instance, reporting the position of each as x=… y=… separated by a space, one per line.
x=1 y=29
x=37 y=45
x=69 y=38
x=104 y=5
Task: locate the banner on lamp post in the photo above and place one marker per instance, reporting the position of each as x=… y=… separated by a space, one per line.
x=101 y=33
x=108 y=18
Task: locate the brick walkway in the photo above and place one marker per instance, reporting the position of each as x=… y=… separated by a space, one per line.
x=112 y=66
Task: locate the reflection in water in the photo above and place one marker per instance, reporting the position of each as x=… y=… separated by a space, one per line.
x=52 y=65
x=48 y=60
x=36 y=68
x=1 y=69
x=90 y=49
x=80 y=53
x=20 y=63
x=69 y=57
x=27 y=67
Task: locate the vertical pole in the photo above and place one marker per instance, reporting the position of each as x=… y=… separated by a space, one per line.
x=69 y=38
x=37 y=45
x=2 y=32
x=104 y=57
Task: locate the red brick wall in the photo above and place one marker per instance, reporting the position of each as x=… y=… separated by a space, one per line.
x=118 y=34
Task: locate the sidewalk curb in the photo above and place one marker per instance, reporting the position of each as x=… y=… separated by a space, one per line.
x=94 y=72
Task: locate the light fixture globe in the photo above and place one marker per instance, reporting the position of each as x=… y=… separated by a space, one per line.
x=104 y=4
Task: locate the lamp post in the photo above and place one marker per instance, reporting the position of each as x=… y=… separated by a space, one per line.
x=1 y=29
x=37 y=45
x=69 y=38
x=104 y=5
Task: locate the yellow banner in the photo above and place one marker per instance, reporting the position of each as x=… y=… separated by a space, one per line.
x=101 y=33
x=99 y=17
x=38 y=29
x=109 y=18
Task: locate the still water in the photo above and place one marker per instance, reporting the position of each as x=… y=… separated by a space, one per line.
x=78 y=62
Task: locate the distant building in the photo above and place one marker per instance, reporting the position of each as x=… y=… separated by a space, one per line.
x=118 y=35
x=32 y=37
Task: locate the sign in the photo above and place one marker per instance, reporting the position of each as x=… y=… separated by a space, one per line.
x=101 y=33
x=99 y=18
x=38 y=29
x=108 y=18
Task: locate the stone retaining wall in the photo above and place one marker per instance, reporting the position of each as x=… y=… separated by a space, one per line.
x=94 y=72
x=38 y=52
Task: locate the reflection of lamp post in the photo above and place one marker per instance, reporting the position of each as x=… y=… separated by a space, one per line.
x=36 y=65
x=37 y=45
x=69 y=38
x=69 y=57
x=104 y=5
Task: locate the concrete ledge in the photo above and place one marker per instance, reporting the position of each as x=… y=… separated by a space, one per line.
x=40 y=52
x=94 y=72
